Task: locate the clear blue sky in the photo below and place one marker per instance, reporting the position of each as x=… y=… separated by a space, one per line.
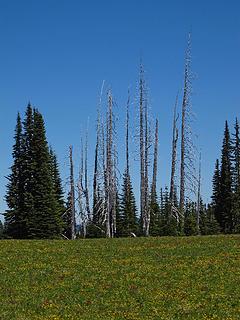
x=56 y=54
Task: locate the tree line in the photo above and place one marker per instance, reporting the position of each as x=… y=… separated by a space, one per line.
x=38 y=208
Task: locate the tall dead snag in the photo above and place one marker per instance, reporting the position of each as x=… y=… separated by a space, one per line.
x=141 y=150
x=146 y=164
x=83 y=190
x=72 y=195
x=96 y=176
x=173 y=162
x=184 y=137
x=127 y=136
x=155 y=161
x=144 y=145
x=188 y=150
x=86 y=190
x=110 y=196
x=199 y=193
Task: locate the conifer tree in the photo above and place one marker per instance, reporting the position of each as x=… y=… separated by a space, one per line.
x=28 y=166
x=45 y=220
x=127 y=218
x=212 y=226
x=57 y=182
x=14 y=216
x=128 y=209
x=1 y=230
x=236 y=179
x=225 y=204
x=190 y=225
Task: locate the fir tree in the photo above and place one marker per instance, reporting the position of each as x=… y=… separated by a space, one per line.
x=225 y=202
x=236 y=179
x=44 y=221
x=28 y=166
x=57 y=182
x=14 y=217
x=1 y=230
x=190 y=226
x=127 y=207
x=212 y=224
x=154 y=214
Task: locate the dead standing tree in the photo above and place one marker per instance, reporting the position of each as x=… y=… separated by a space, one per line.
x=72 y=195
x=199 y=192
x=155 y=162
x=144 y=145
x=110 y=183
x=83 y=190
x=187 y=166
x=97 y=199
x=172 y=195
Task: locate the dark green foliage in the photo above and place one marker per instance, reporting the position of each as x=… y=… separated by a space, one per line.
x=127 y=209
x=208 y=224
x=167 y=221
x=14 y=216
x=154 y=215
x=224 y=216
x=236 y=179
x=34 y=194
x=1 y=230
x=190 y=225
x=45 y=220
x=57 y=183
x=67 y=218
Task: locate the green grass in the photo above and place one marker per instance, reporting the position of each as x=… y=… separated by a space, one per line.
x=153 y=278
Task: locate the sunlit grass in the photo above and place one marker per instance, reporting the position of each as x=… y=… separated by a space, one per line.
x=153 y=278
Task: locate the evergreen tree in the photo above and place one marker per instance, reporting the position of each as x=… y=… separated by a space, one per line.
x=28 y=166
x=127 y=207
x=225 y=202
x=44 y=221
x=1 y=230
x=203 y=228
x=14 y=216
x=212 y=226
x=154 y=214
x=167 y=222
x=190 y=226
x=57 y=182
x=236 y=179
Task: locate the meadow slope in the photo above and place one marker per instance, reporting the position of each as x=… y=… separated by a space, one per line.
x=142 y=278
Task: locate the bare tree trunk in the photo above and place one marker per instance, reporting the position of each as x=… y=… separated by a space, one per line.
x=96 y=198
x=127 y=136
x=142 y=152
x=114 y=183
x=199 y=195
x=95 y=179
x=155 y=161
x=146 y=160
x=109 y=171
x=86 y=191
x=185 y=103
x=174 y=159
x=72 y=195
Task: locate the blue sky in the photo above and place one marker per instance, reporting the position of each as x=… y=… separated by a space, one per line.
x=57 y=53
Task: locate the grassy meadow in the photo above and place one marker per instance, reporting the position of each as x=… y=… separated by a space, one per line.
x=141 y=278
